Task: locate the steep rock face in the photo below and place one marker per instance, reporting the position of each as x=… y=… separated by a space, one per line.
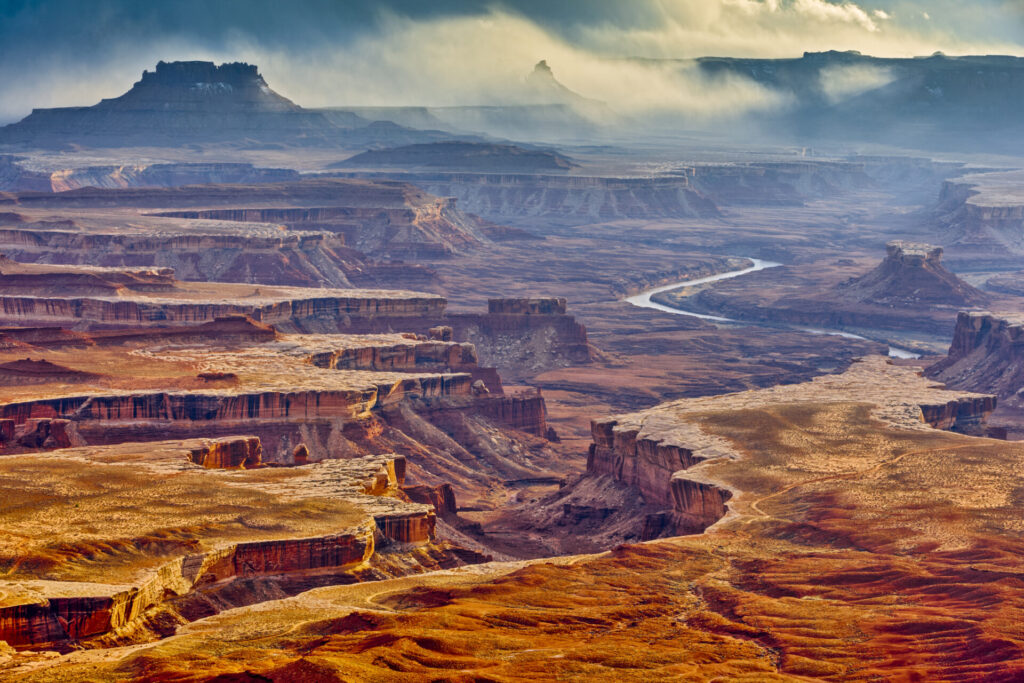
x=646 y=464
x=309 y=312
x=441 y=497
x=165 y=175
x=696 y=505
x=982 y=216
x=526 y=412
x=985 y=355
x=912 y=275
x=244 y=452
x=779 y=183
x=69 y=609
x=569 y=199
x=300 y=259
x=546 y=306
x=282 y=419
x=415 y=355
x=467 y=156
x=663 y=453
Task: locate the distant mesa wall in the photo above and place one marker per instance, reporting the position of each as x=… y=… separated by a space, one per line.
x=776 y=183
x=298 y=313
x=981 y=219
x=570 y=199
x=295 y=259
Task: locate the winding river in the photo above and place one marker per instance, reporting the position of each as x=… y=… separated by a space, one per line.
x=643 y=300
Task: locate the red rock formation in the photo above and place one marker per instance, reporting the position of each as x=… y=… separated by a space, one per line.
x=441 y=497
x=304 y=309
x=406 y=528
x=645 y=464
x=696 y=505
x=985 y=355
x=420 y=356
x=245 y=452
x=525 y=411
x=46 y=434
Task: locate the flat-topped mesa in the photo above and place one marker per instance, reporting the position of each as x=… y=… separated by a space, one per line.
x=201 y=86
x=326 y=520
x=567 y=199
x=912 y=275
x=987 y=354
x=982 y=215
x=258 y=256
x=384 y=219
x=179 y=102
x=32 y=278
x=89 y=297
x=658 y=452
x=527 y=306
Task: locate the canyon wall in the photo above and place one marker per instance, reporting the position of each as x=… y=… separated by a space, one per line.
x=76 y=611
x=985 y=355
x=298 y=259
x=562 y=198
x=981 y=219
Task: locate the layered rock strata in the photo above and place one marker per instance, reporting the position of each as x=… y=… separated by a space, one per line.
x=985 y=354
x=658 y=451
x=54 y=596
x=568 y=199
x=981 y=219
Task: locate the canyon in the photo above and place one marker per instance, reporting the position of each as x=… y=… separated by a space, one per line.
x=376 y=393
x=909 y=291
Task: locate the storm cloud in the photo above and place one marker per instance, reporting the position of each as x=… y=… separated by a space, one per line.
x=329 y=52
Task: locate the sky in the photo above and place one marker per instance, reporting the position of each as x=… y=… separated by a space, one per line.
x=446 y=52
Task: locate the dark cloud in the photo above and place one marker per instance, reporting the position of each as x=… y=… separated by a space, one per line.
x=60 y=52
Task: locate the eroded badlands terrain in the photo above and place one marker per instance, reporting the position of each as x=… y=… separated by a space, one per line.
x=314 y=396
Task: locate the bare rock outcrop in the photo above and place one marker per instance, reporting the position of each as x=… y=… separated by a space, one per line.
x=350 y=511
x=659 y=452
x=986 y=355
x=912 y=275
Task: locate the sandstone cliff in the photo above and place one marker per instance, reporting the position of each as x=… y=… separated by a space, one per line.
x=985 y=355
x=352 y=510
x=658 y=452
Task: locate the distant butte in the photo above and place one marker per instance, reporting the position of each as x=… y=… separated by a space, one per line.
x=200 y=102
x=909 y=290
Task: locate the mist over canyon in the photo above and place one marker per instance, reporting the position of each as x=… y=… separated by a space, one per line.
x=597 y=341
